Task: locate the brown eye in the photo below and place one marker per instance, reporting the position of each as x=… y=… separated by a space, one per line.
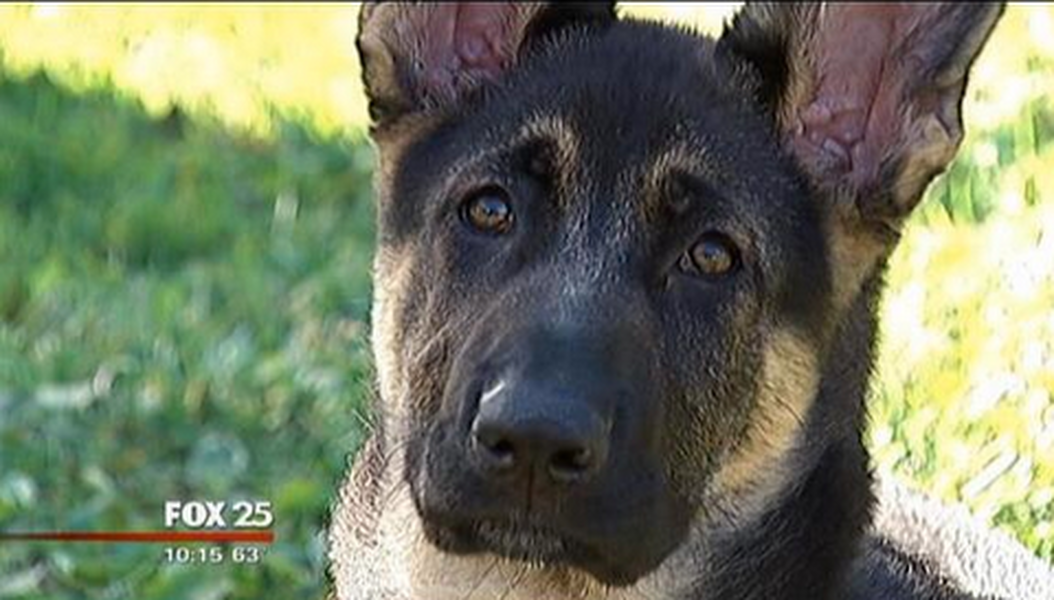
x=713 y=255
x=488 y=211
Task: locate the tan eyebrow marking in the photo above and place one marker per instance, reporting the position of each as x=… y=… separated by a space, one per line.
x=679 y=158
x=564 y=143
x=553 y=131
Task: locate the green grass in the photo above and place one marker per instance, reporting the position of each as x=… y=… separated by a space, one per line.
x=182 y=315
x=184 y=293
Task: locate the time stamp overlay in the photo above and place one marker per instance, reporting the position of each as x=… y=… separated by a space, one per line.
x=199 y=532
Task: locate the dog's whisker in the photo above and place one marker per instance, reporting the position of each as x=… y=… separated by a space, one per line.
x=515 y=581
x=483 y=577
x=790 y=410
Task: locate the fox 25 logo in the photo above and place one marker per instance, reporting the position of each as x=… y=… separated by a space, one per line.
x=197 y=514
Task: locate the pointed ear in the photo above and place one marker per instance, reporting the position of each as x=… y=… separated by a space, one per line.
x=866 y=97
x=417 y=56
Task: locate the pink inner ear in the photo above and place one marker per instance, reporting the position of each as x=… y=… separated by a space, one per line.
x=482 y=37
x=857 y=111
x=468 y=40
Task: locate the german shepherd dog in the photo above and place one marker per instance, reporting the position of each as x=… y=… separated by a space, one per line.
x=625 y=309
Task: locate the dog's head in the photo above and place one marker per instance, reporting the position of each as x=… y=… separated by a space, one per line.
x=614 y=255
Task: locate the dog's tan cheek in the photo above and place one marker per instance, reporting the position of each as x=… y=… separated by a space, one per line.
x=854 y=251
x=759 y=465
x=392 y=275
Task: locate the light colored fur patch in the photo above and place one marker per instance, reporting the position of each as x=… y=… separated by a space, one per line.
x=558 y=132
x=391 y=277
x=854 y=249
x=762 y=466
x=679 y=158
x=981 y=561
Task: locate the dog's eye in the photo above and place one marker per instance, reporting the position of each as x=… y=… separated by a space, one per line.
x=488 y=211
x=713 y=255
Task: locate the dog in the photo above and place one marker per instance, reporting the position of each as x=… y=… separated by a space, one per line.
x=625 y=305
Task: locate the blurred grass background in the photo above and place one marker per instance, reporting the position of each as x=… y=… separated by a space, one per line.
x=185 y=234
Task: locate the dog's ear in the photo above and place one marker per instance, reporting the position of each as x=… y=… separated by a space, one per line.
x=417 y=56
x=867 y=97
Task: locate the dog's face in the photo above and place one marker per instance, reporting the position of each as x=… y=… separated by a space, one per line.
x=613 y=255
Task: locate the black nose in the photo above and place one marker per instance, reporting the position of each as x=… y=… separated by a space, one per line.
x=518 y=431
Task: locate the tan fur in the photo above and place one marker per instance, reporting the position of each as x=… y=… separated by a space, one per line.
x=854 y=249
x=554 y=130
x=801 y=82
x=933 y=146
x=762 y=464
x=391 y=274
x=680 y=157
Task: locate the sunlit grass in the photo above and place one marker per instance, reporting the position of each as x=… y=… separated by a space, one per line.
x=239 y=62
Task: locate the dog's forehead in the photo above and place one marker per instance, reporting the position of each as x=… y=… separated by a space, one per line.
x=639 y=101
x=634 y=91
